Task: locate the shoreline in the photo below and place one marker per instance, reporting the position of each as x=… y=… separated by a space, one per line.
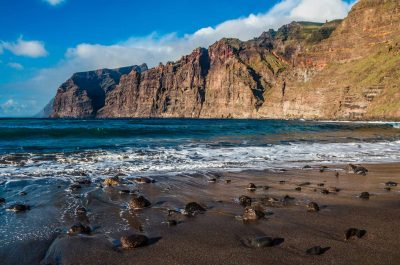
x=218 y=235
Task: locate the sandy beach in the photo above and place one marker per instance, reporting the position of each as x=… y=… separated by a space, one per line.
x=217 y=236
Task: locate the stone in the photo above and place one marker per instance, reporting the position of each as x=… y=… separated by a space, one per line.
x=304 y=184
x=172 y=222
x=140 y=202
x=228 y=181
x=298 y=189
x=313 y=207
x=2 y=201
x=391 y=184
x=307 y=167
x=113 y=181
x=80 y=210
x=252 y=214
x=193 y=208
x=333 y=189
x=79 y=229
x=18 y=208
x=317 y=250
x=364 y=195
x=75 y=187
x=143 y=180
x=134 y=241
x=354 y=232
x=245 y=200
x=260 y=242
x=359 y=170
x=23 y=193
x=251 y=187
x=323 y=169
x=83 y=181
x=325 y=191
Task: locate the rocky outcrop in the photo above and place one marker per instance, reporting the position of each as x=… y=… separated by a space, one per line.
x=84 y=93
x=337 y=70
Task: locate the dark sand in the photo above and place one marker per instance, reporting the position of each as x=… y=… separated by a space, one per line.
x=215 y=237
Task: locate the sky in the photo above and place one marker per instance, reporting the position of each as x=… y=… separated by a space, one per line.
x=43 y=42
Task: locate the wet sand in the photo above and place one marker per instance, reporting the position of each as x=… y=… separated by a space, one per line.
x=218 y=236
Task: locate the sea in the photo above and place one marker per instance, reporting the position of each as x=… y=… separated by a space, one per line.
x=38 y=148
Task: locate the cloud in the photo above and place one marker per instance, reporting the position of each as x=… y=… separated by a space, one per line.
x=16 y=66
x=13 y=108
x=154 y=48
x=54 y=2
x=33 y=49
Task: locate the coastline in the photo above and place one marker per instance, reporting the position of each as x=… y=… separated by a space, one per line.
x=217 y=236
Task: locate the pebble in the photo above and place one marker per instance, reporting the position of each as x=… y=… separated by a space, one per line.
x=139 y=203
x=83 y=181
x=282 y=182
x=134 y=241
x=304 y=184
x=79 y=229
x=172 y=222
x=321 y=184
x=2 y=201
x=114 y=181
x=364 y=195
x=266 y=187
x=80 y=210
x=143 y=180
x=251 y=187
x=212 y=180
x=359 y=170
x=23 y=193
x=298 y=188
x=193 y=208
x=352 y=232
x=333 y=189
x=322 y=169
x=252 y=214
x=75 y=187
x=18 y=208
x=264 y=241
x=228 y=181
x=306 y=167
x=245 y=200
x=124 y=191
x=391 y=184
x=318 y=250
x=313 y=207
x=325 y=191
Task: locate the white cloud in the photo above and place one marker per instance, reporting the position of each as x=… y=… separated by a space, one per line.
x=14 y=108
x=54 y=2
x=16 y=66
x=153 y=49
x=21 y=47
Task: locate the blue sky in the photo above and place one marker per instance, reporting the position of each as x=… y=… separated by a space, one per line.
x=42 y=42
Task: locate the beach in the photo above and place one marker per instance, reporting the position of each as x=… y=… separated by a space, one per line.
x=219 y=235
x=176 y=191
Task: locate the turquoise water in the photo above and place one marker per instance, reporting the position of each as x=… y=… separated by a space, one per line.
x=40 y=147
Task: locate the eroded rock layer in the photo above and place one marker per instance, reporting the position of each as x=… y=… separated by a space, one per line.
x=346 y=69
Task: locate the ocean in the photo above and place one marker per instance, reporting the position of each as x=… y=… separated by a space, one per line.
x=136 y=147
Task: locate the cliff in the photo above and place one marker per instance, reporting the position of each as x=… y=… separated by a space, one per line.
x=338 y=70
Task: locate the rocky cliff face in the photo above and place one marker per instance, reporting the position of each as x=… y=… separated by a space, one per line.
x=84 y=93
x=338 y=70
